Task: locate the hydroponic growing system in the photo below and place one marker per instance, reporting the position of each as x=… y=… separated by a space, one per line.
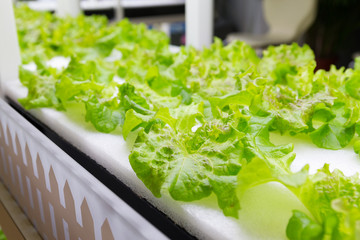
x=107 y=132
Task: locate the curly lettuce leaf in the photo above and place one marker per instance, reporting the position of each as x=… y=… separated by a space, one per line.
x=352 y=85
x=266 y=161
x=190 y=165
x=333 y=200
x=289 y=65
x=302 y=227
x=337 y=132
x=41 y=89
x=46 y=35
x=105 y=116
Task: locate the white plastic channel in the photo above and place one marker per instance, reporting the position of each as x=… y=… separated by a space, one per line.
x=103 y=203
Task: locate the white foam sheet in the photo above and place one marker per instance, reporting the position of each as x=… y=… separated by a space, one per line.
x=266 y=209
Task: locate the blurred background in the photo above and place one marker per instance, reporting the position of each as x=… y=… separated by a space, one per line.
x=330 y=27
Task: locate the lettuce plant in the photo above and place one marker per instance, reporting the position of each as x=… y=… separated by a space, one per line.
x=203 y=119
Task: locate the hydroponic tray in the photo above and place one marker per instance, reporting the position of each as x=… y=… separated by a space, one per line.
x=141 y=205
x=106 y=157
x=61 y=199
